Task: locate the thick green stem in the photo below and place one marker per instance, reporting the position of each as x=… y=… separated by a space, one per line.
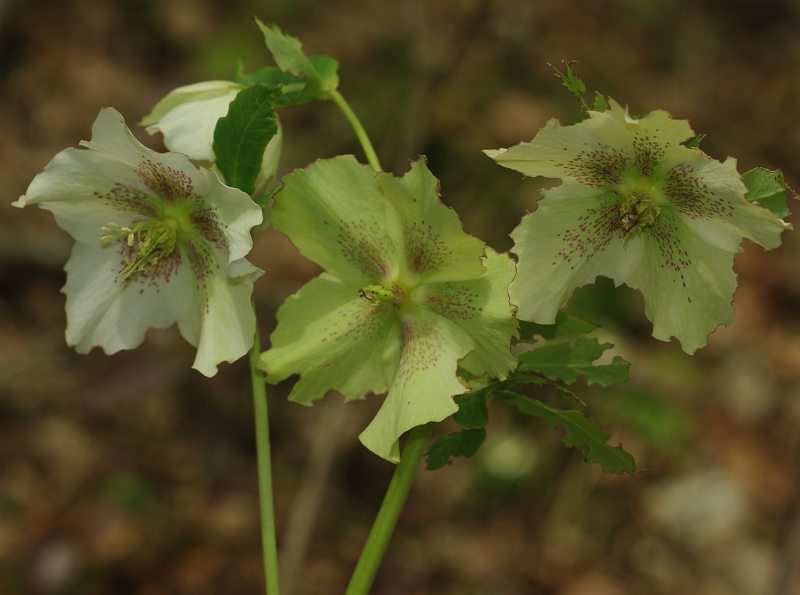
x=269 y=547
x=385 y=522
x=348 y=112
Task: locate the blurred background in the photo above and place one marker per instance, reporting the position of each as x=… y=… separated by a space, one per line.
x=134 y=474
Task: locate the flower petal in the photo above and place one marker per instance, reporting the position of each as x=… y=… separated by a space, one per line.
x=269 y=162
x=710 y=196
x=112 y=314
x=481 y=308
x=425 y=383
x=220 y=322
x=236 y=209
x=598 y=151
x=335 y=340
x=188 y=115
x=687 y=284
x=435 y=247
x=335 y=213
x=571 y=239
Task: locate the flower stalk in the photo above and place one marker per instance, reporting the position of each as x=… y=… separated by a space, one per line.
x=389 y=513
x=363 y=138
x=269 y=547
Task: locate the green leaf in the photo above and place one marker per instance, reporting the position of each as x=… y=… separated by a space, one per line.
x=241 y=137
x=768 y=189
x=695 y=142
x=567 y=360
x=268 y=76
x=564 y=326
x=579 y=432
x=600 y=102
x=317 y=76
x=569 y=79
x=472 y=414
x=460 y=444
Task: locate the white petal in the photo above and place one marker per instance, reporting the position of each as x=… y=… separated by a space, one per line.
x=188 y=126
x=270 y=161
x=105 y=312
x=220 y=321
x=110 y=135
x=236 y=210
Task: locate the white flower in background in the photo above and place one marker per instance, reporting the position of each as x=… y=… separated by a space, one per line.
x=187 y=117
x=157 y=241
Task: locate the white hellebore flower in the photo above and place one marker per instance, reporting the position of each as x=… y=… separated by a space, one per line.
x=187 y=117
x=157 y=241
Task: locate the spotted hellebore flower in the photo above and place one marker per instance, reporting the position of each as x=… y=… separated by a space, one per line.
x=157 y=241
x=405 y=298
x=637 y=206
x=187 y=117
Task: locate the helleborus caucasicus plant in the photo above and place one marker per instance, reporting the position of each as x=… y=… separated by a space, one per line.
x=406 y=297
x=638 y=206
x=188 y=116
x=157 y=241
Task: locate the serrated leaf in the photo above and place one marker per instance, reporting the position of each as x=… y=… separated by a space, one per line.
x=241 y=137
x=600 y=102
x=579 y=432
x=767 y=188
x=472 y=413
x=567 y=360
x=461 y=444
x=316 y=76
x=695 y=142
x=564 y=326
x=268 y=76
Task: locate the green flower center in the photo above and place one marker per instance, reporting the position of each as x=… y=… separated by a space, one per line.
x=393 y=293
x=150 y=244
x=641 y=204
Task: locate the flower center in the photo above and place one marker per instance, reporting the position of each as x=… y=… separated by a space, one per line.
x=150 y=244
x=394 y=293
x=640 y=206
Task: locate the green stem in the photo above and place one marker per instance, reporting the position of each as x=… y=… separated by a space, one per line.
x=269 y=547
x=348 y=112
x=385 y=522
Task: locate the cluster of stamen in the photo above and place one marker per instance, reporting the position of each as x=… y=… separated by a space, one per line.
x=637 y=211
x=147 y=244
x=170 y=220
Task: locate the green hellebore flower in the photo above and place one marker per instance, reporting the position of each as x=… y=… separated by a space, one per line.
x=187 y=117
x=405 y=298
x=637 y=206
x=157 y=241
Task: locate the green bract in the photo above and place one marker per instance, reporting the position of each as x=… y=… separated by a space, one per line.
x=636 y=206
x=157 y=241
x=187 y=117
x=405 y=298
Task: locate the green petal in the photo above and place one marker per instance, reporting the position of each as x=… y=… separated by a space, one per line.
x=104 y=312
x=425 y=383
x=598 y=151
x=336 y=215
x=188 y=115
x=570 y=240
x=687 y=284
x=435 y=247
x=336 y=340
x=481 y=308
x=710 y=196
x=221 y=322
